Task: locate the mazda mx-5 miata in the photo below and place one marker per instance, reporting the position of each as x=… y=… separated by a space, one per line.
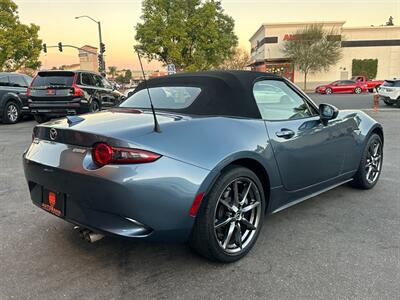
x=222 y=150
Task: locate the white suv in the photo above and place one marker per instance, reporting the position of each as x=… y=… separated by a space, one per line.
x=389 y=92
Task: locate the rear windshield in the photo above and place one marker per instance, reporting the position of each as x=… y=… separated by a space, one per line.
x=168 y=97
x=53 y=80
x=394 y=83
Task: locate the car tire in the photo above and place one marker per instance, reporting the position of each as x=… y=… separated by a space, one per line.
x=328 y=91
x=12 y=113
x=41 y=118
x=357 y=90
x=94 y=106
x=388 y=102
x=229 y=242
x=371 y=164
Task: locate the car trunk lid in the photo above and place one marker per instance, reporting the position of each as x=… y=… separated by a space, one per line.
x=119 y=127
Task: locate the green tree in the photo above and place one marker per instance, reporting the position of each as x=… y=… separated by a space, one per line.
x=120 y=79
x=192 y=34
x=313 y=49
x=239 y=60
x=112 y=70
x=128 y=76
x=20 y=45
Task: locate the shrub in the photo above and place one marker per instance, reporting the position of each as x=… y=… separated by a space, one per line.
x=365 y=67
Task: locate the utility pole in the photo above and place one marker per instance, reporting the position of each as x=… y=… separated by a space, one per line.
x=102 y=49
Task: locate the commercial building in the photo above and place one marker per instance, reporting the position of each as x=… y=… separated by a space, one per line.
x=372 y=42
x=88 y=60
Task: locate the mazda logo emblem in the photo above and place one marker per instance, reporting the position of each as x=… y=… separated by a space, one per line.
x=53 y=134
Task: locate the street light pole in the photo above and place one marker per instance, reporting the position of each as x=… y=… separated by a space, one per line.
x=102 y=63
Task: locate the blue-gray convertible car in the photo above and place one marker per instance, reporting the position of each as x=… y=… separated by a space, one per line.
x=203 y=162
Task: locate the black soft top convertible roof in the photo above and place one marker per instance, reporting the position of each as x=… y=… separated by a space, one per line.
x=225 y=93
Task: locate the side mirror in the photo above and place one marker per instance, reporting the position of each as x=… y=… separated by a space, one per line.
x=327 y=112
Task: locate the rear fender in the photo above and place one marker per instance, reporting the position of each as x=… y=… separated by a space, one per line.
x=9 y=97
x=269 y=164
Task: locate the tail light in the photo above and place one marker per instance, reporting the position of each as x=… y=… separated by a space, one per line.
x=103 y=154
x=28 y=91
x=76 y=91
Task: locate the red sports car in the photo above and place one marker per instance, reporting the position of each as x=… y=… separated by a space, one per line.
x=342 y=86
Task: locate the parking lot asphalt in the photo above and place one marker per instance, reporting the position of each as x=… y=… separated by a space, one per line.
x=345 y=101
x=344 y=244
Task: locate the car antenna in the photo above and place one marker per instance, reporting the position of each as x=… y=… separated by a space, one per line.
x=156 y=125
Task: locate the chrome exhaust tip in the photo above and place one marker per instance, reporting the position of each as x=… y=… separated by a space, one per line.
x=89 y=235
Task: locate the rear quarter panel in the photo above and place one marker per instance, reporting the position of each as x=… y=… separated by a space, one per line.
x=213 y=142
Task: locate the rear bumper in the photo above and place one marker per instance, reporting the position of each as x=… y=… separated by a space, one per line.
x=147 y=201
x=54 y=108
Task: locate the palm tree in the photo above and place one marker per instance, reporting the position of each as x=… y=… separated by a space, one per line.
x=112 y=70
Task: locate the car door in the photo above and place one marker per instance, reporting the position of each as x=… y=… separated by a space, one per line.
x=19 y=86
x=3 y=87
x=307 y=152
x=335 y=87
x=87 y=83
x=340 y=87
x=101 y=91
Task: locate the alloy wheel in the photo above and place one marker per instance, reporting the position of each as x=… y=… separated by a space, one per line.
x=358 y=90
x=374 y=161
x=237 y=215
x=95 y=107
x=328 y=91
x=12 y=113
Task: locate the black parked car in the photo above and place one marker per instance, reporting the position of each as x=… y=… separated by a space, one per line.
x=13 y=99
x=61 y=93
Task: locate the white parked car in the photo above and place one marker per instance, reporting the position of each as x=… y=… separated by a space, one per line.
x=389 y=91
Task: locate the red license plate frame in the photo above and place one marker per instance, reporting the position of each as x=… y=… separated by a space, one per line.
x=53 y=202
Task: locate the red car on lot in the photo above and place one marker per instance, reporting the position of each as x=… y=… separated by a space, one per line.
x=371 y=84
x=342 y=86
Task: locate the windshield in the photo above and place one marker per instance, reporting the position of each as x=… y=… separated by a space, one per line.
x=168 y=97
x=392 y=83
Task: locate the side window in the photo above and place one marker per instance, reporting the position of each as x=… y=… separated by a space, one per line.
x=277 y=101
x=17 y=81
x=106 y=83
x=98 y=81
x=87 y=79
x=3 y=80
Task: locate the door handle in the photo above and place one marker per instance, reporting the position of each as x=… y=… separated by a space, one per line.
x=285 y=133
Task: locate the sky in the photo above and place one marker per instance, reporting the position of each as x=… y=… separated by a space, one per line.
x=56 y=19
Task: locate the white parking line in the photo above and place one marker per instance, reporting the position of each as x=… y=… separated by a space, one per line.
x=380 y=109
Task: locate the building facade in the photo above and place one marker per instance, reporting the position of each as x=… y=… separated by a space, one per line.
x=373 y=42
x=88 y=58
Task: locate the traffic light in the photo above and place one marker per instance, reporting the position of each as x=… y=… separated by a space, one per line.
x=102 y=48
x=101 y=62
x=60 y=47
x=44 y=47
